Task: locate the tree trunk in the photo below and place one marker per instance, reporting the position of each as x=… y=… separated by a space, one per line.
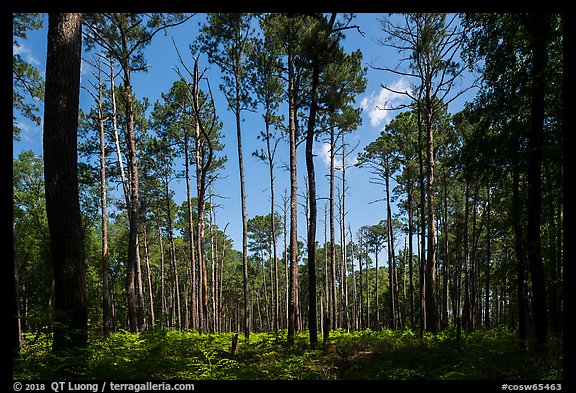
x=466 y=306
x=149 y=278
x=377 y=297
x=431 y=311
x=192 y=245
x=391 y=257
x=103 y=186
x=367 y=270
x=343 y=240
x=519 y=250
x=201 y=191
x=16 y=325
x=313 y=213
x=333 y=306
x=410 y=253
x=244 y=223
x=213 y=265
x=286 y=257
x=326 y=313
x=422 y=280
x=355 y=324
x=538 y=27
x=133 y=207
x=446 y=262
x=474 y=267
x=139 y=286
x=173 y=260
x=488 y=257
x=61 y=180
x=273 y=226
x=293 y=279
x=116 y=138
x=361 y=298
x=163 y=306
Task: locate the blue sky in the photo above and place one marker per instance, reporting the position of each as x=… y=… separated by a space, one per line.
x=162 y=58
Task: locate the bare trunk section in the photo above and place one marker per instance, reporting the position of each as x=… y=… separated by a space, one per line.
x=164 y=308
x=139 y=286
x=519 y=250
x=446 y=262
x=343 y=241
x=293 y=271
x=62 y=91
x=192 y=245
x=431 y=312
x=333 y=305
x=391 y=256
x=149 y=278
x=173 y=259
x=313 y=212
x=270 y=155
x=201 y=191
x=106 y=328
x=538 y=27
x=247 y=317
x=133 y=206
x=423 y=304
x=16 y=323
x=410 y=254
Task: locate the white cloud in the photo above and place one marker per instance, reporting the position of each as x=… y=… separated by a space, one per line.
x=85 y=69
x=23 y=51
x=376 y=103
x=30 y=133
x=323 y=151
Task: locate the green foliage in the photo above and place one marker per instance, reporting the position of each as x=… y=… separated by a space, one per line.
x=28 y=85
x=385 y=354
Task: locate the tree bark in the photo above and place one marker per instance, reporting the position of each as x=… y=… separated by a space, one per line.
x=313 y=213
x=16 y=325
x=519 y=251
x=466 y=306
x=446 y=262
x=62 y=93
x=139 y=286
x=133 y=206
x=410 y=252
x=488 y=257
x=293 y=274
x=423 y=318
x=247 y=307
x=343 y=240
x=391 y=256
x=200 y=200
x=103 y=185
x=149 y=279
x=431 y=311
x=377 y=324
x=270 y=155
x=163 y=306
x=360 y=298
x=333 y=297
x=192 y=245
x=173 y=260
x=538 y=27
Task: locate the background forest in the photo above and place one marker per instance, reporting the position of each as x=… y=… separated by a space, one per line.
x=467 y=236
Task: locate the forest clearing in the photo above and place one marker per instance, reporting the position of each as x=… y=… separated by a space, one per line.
x=288 y=196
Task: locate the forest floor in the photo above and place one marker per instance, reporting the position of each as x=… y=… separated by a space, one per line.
x=360 y=355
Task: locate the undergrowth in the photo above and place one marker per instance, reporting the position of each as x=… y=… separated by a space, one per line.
x=359 y=355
